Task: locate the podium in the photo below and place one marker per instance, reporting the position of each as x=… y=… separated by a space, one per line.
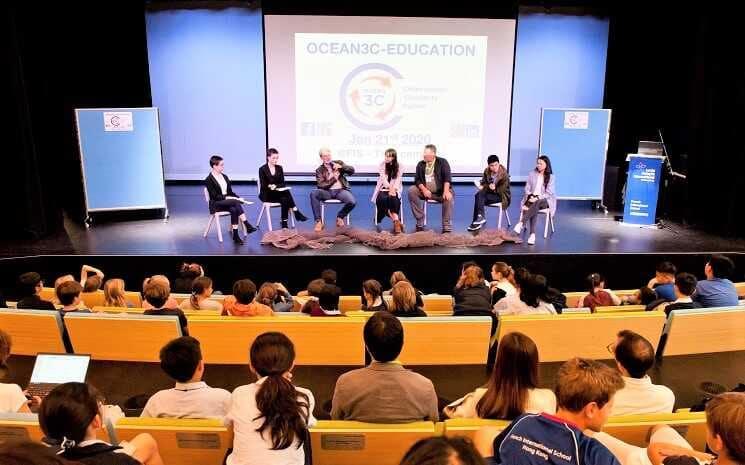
x=642 y=189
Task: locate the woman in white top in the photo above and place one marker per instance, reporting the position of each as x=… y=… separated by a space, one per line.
x=387 y=194
x=530 y=299
x=503 y=284
x=540 y=193
x=201 y=291
x=512 y=388
x=270 y=417
x=12 y=398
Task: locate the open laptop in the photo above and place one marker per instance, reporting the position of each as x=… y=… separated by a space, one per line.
x=51 y=370
x=648 y=147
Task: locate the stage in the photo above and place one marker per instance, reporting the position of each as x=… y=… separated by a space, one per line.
x=579 y=230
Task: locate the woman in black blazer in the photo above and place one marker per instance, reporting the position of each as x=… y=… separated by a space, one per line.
x=223 y=199
x=271 y=179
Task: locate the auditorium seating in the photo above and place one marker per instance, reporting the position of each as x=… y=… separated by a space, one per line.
x=324 y=341
x=181 y=441
x=134 y=338
x=20 y=426
x=33 y=331
x=633 y=429
x=701 y=331
x=590 y=334
x=455 y=340
x=350 y=442
x=620 y=308
x=434 y=305
x=94 y=299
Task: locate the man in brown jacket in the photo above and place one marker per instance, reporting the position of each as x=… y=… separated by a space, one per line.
x=384 y=391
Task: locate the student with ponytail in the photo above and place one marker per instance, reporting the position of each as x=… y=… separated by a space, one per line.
x=70 y=417
x=270 y=417
x=503 y=282
x=201 y=291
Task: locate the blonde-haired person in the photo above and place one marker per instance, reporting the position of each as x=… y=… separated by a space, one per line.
x=403 y=303
x=162 y=279
x=398 y=276
x=503 y=282
x=113 y=294
x=12 y=398
x=201 y=291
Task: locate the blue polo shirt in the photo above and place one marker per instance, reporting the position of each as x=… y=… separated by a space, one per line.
x=544 y=439
x=716 y=292
x=666 y=291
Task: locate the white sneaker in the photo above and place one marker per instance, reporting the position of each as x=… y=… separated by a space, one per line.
x=531 y=239
x=518 y=228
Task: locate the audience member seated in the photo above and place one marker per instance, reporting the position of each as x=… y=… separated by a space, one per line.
x=598 y=295
x=503 y=283
x=443 y=450
x=181 y=359
x=471 y=294
x=70 y=417
x=187 y=273
x=268 y=295
x=663 y=281
x=12 y=398
x=372 y=296
x=156 y=295
x=384 y=391
x=242 y=302
x=29 y=289
x=283 y=301
x=270 y=417
x=170 y=303
x=26 y=452
x=328 y=302
x=530 y=299
x=68 y=294
x=403 y=301
x=201 y=291
x=91 y=283
x=327 y=276
x=467 y=264
x=685 y=286
x=643 y=296
x=113 y=294
x=634 y=358
x=512 y=388
x=725 y=422
x=717 y=290
x=397 y=276
x=584 y=394
x=60 y=280
x=311 y=305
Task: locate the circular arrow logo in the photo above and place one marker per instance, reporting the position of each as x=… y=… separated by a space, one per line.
x=369 y=96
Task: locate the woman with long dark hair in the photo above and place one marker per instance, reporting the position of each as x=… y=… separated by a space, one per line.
x=512 y=388
x=270 y=417
x=597 y=295
x=272 y=187
x=540 y=193
x=387 y=195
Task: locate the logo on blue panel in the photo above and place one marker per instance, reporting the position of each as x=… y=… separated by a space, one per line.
x=370 y=97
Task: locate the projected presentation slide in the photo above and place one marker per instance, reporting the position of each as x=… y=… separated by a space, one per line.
x=360 y=85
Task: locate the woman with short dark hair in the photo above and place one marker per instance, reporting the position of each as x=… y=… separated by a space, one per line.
x=272 y=187
x=222 y=197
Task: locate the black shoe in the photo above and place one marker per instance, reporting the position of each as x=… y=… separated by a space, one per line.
x=284 y=224
x=447 y=231
x=475 y=226
x=299 y=216
x=480 y=219
x=237 y=238
x=249 y=228
x=419 y=228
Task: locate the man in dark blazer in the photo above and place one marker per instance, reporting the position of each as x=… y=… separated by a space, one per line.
x=331 y=179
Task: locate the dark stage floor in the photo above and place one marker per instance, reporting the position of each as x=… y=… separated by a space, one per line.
x=579 y=230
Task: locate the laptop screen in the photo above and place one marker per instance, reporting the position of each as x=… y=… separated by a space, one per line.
x=60 y=368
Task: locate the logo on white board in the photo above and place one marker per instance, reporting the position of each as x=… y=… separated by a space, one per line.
x=576 y=119
x=117 y=121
